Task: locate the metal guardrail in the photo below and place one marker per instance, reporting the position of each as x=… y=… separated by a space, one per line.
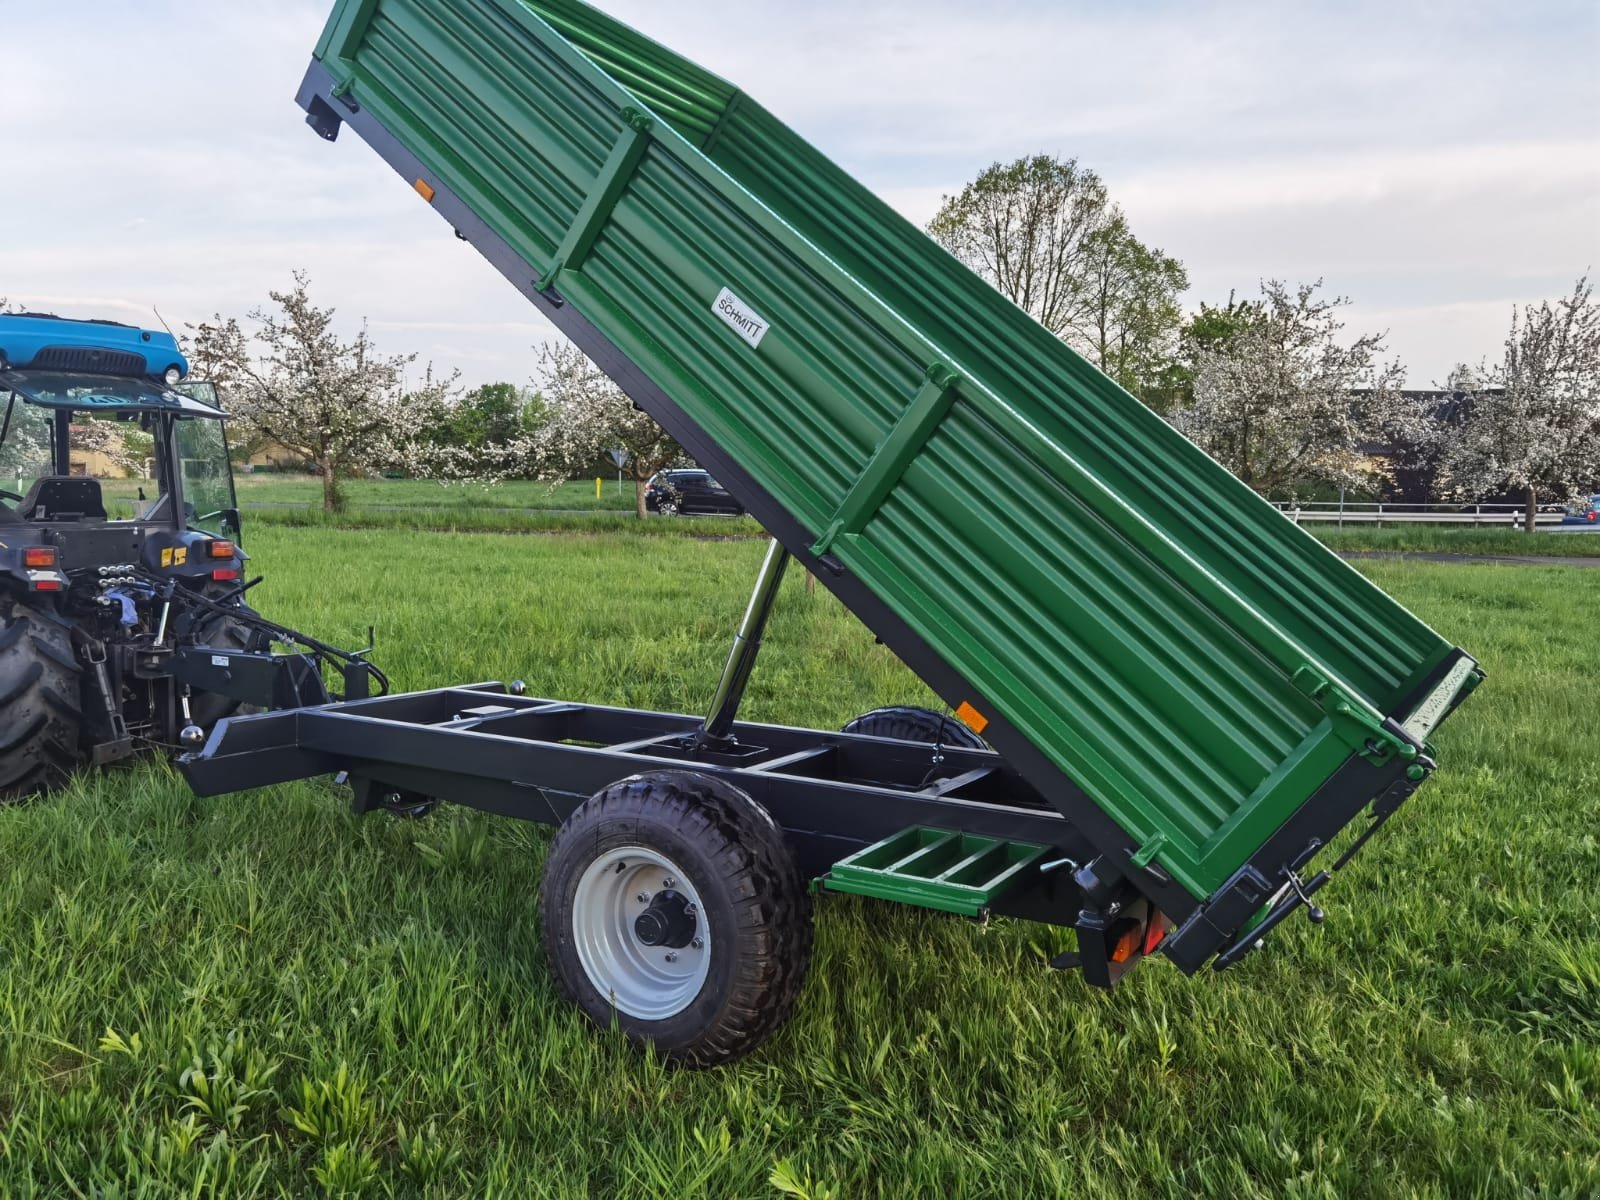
x=1506 y=516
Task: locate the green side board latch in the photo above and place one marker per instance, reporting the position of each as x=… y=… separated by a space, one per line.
x=1146 y=854
x=941 y=869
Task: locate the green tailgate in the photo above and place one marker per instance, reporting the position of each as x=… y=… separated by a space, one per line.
x=1199 y=667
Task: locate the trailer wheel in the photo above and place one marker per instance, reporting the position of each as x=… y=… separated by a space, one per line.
x=41 y=709
x=672 y=906
x=916 y=725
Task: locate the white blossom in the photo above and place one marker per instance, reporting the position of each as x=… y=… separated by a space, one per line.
x=340 y=405
x=586 y=416
x=1533 y=420
x=1284 y=401
x=109 y=441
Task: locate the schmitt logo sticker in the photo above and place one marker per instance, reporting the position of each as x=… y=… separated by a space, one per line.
x=740 y=317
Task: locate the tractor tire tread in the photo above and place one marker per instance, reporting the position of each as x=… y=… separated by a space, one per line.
x=40 y=713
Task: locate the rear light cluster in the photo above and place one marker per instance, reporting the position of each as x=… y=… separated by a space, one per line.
x=42 y=558
x=222 y=548
x=1137 y=939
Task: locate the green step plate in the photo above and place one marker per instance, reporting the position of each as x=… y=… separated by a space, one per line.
x=936 y=868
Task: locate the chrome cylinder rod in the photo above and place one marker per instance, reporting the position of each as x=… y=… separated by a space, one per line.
x=746 y=643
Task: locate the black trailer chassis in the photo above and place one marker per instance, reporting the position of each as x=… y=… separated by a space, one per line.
x=537 y=760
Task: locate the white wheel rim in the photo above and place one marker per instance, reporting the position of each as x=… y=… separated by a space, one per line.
x=651 y=983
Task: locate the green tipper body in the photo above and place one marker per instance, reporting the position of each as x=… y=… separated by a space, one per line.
x=1164 y=639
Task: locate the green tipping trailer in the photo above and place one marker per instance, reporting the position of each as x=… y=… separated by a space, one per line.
x=1207 y=696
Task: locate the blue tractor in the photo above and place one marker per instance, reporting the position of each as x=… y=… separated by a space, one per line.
x=123 y=619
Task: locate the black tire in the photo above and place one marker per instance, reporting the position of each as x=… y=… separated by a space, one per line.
x=916 y=725
x=753 y=909
x=41 y=707
x=669 y=508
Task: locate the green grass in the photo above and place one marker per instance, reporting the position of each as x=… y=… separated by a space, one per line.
x=523 y=506
x=276 y=489
x=261 y=994
x=1446 y=539
x=517 y=506
x=511 y=521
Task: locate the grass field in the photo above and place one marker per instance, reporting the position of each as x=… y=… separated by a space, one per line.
x=517 y=506
x=276 y=489
x=261 y=995
x=1455 y=539
x=522 y=506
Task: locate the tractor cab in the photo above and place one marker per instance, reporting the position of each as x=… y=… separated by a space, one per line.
x=89 y=410
x=123 y=619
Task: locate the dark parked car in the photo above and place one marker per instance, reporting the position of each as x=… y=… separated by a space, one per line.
x=672 y=493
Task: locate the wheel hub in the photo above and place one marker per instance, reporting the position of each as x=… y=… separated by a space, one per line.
x=639 y=934
x=669 y=921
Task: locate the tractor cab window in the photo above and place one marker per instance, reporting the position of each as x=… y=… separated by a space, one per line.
x=208 y=498
x=27 y=445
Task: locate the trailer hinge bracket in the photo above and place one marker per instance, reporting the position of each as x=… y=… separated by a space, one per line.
x=893 y=455
x=1375 y=737
x=597 y=207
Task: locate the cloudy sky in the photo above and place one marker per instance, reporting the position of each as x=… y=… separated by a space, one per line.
x=1436 y=162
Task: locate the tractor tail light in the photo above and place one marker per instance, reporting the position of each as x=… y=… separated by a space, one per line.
x=224 y=574
x=221 y=549
x=39 y=556
x=46 y=585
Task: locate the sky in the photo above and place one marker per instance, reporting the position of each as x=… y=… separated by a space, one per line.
x=1436 y=162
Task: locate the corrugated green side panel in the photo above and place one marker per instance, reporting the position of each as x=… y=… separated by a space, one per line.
x=1130 y=607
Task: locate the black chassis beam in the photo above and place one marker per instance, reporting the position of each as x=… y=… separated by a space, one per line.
x=537 y=760
x=1208 y=924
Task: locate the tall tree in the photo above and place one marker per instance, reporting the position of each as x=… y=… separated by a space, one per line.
x=292 y=380
x=1045 y=233
x=1133 y=321
x=586 y=416
x=491 y=415
x=1534 y=427
x=1280 y=400
x=1029 y=227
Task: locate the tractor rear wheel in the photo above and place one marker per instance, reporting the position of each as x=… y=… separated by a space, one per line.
x=916 y=725
x=672 y=906
x=41 y=708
